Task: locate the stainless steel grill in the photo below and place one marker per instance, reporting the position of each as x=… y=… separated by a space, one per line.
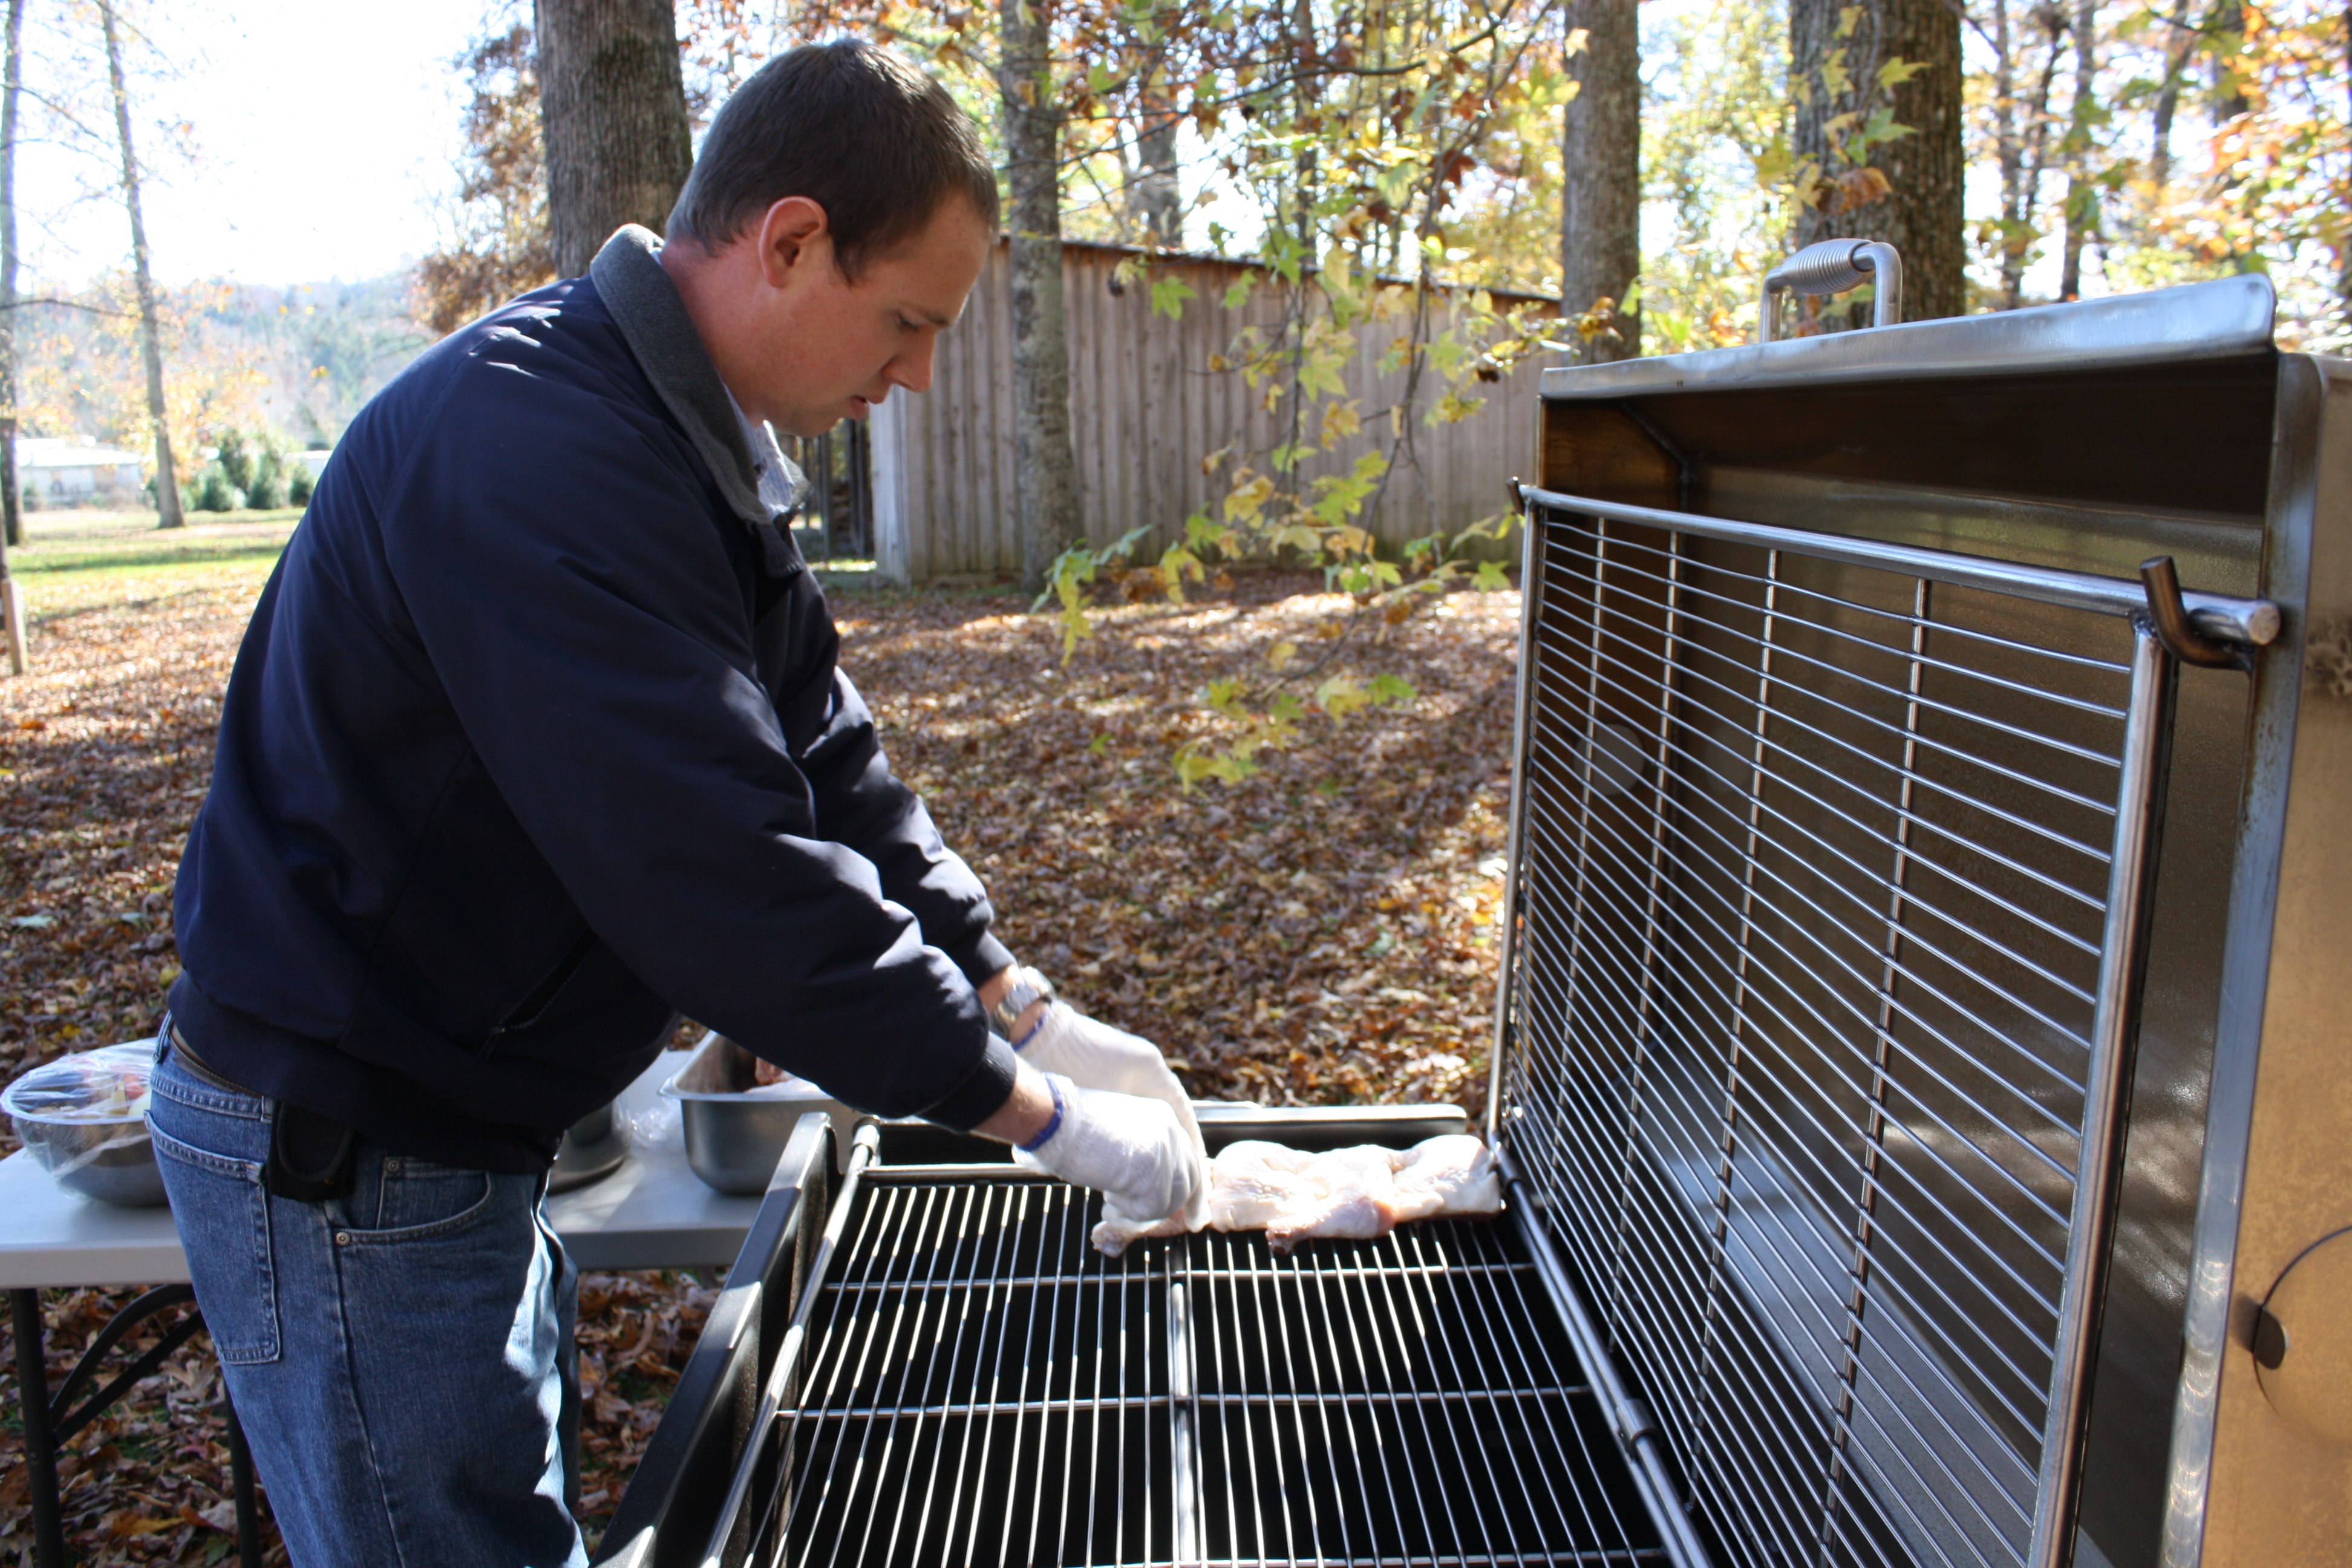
x=1872 y=960
x=981 y=1386
x=1907 y=1164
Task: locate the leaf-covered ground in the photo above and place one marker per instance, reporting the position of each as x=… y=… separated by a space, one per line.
x=1320 y=933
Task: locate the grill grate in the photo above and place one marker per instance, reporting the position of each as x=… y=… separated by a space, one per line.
x=1813 y=879
x=981 y=1386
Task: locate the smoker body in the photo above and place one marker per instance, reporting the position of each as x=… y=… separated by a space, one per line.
x=1805 y=833
x=1916 y=1062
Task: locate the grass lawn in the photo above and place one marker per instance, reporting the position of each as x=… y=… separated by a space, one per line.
x=75 y=561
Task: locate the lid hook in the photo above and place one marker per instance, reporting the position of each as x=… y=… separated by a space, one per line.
x=2167 y=615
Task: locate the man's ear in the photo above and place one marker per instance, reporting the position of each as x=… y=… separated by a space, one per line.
x=793 y=232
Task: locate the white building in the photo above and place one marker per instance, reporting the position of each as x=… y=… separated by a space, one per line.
x=65 y=471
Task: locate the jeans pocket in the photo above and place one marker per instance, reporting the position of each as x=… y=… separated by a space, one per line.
x=223 y=1214
x=419 y=1198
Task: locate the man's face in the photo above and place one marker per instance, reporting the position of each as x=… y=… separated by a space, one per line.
x=825 y=348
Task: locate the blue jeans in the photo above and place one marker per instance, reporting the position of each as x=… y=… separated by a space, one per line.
x=399 y=1357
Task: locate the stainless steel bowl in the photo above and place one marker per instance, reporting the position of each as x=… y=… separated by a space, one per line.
x=123 y=1169
x=90 y=1136
x=735 y=1130
x=594 y=1147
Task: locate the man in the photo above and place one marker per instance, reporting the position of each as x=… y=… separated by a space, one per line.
x=536 y=740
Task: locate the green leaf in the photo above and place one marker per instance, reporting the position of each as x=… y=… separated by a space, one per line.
x=1491 y=578
x=1341 y=696
x=1895 y=73
x=1231 y=768
x=1237 y=292
x=1391 y=689
x=1207 y=536
x=1191 y=767
x=1167 y=297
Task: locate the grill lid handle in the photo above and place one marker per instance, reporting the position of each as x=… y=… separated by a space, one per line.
x=1833 y=266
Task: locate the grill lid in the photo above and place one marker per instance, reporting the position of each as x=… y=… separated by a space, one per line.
x=2226 y=318
x=1842 y=757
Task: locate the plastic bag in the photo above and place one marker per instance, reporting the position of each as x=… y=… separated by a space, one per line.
x=108 y=1084
x=72 y=1111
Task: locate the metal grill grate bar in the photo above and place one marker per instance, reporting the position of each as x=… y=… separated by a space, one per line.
x=1814 y=1019
x=1846 y=641
x=1678 y=751
x=1354 y=1271
x=981 y=1387
x=1672 y=849
x=1849 y=754
x=1826 y=871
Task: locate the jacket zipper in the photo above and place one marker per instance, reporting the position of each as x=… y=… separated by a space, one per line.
x=542 y=995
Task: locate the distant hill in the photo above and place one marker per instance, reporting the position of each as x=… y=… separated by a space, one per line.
x=301 y=358
x=324 y=348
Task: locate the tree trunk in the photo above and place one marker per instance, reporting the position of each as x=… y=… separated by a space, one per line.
x=1044 y=463
x=2082 y=196
x=612 y=104
x=1601 y=180
x=12 y=604
x=12 y=497
x=167 y=478
x=1156 y=199
x=1921 y=212
x=2344 y=241
x=2225 y=38
x=2183 y=37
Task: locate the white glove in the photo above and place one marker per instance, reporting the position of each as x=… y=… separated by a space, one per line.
x=1131 y=1149
x=1093 y=1055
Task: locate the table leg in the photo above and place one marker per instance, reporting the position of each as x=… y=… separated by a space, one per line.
x=240 y=1471
x=40 y=1447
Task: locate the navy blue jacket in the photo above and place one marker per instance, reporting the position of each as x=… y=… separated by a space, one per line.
x=536 y=740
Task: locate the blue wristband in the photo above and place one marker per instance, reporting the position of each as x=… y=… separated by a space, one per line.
x=1030 y=1032
x=1054 y=1125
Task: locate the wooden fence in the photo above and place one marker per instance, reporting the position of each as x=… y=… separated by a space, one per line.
x=1145 y=410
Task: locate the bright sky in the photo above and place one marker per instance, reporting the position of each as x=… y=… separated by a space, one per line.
x=323 y=134
x=325 y=139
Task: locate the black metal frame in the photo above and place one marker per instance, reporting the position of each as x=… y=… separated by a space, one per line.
x=666 y=1513
x=674 y=1502
x=51 y=1420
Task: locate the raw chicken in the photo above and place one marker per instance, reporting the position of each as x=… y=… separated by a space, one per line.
x=1355 y=1193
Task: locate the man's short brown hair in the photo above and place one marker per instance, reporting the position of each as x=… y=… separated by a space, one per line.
x=854 y=128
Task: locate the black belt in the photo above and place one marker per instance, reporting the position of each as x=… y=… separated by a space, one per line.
x=312 y=1157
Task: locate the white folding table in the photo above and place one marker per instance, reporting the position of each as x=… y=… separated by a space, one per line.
x=653 y=1212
